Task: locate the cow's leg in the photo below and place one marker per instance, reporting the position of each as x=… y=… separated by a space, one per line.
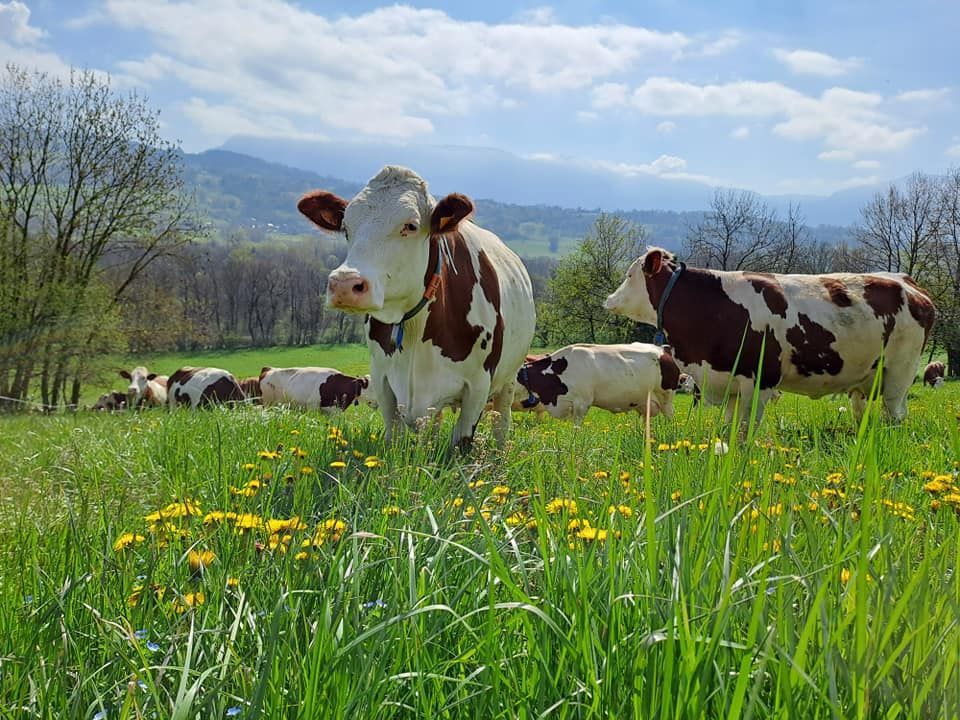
x=858 y=404
x=896 y=385
x=502 y=403
x=387 y=402
x=666 y=404
x=471 y=408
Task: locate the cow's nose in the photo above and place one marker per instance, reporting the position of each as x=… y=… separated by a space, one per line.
x=348 y=291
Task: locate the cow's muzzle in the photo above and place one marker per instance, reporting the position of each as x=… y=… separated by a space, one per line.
x=350 y=291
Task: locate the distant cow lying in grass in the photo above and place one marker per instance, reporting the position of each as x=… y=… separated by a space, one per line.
x=146 y=388
x=111 y=402
x=933 y=374
x=618 y=378
x=201 y=387
x=319 y=388
x=251 y=388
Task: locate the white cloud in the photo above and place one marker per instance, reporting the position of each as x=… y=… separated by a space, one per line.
x=811 y=62
x=391 y=71
x=867 y=164
x=925 y=95
x=740 y=133
x=840 y=118
x=228 y=120
x=666 y=127
x=607 y=95
x=841 y=155
x=724 y=44
x=15 y=24
x=819 y=186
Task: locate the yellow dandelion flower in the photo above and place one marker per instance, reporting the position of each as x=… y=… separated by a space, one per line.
x=391 y=510
x=127 y=540
x=500 y=491
x=294 y=432
x=676 y=495
x=601 y=475
x=249 y=466
x=190 y=600
x=516 y=519
x=474 y=484
x=248 y=521
x=338 y=464
x=457 y=502
x=302 y=555
x=276 y=525
x=934 y=505
x=469 y=511
x=306 y=470
x=298 y=452
x=624 y=476
x=200 y=560
x=233 y=582
x=624 y=510
x=559 y=505
x=372 y=461
x=592 y=534
x=268 y=455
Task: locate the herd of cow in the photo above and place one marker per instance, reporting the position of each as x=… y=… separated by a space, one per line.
x=450 y=318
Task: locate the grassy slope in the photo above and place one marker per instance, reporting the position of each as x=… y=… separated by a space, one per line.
x=723 y=596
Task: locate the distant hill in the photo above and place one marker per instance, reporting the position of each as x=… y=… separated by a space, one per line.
x=237 y=190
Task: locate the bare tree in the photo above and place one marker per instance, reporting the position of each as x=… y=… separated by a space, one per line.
x=86 y=186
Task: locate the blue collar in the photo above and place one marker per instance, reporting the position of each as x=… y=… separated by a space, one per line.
x=396 y=334
x=532 y=400
x=660 y=337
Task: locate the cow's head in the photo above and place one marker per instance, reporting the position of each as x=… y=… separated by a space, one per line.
x=938 y=382
x=366 y=394
x=633 y=298
x=138 y=377
x=387 y=226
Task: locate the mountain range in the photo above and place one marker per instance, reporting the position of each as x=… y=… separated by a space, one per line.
x=551 y=205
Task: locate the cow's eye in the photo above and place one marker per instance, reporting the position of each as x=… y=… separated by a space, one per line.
x=410 y=228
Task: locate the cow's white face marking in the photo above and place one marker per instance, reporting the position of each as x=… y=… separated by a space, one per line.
x=139 y=378
x=938 y=382
x=386 y=226
x=631 y=299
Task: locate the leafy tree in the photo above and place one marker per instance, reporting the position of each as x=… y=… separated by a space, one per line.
x=572 y=309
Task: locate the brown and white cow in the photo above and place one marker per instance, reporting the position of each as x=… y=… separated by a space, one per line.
x=200 y=387
x=111 y=402
x=689 y=386
x=320 y=388
x=819 y=334
x=449 y=307
x=618 y=378
x=146 y=388
x=933 y=374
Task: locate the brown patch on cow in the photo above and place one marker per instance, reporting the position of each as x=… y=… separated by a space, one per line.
x=224 y=390
x=341 y=391
x=921 y=307
x=182 y=376
x=885 y=298
x=706 y=326
x=490 y=284
x=543 y=378
x=382 y=334
x=447 y=326
x=837 y=292
x=669 y=372
x=812 y=354
x=933 y=371
x=324 y=209
x=767 y=285
x=263 y=371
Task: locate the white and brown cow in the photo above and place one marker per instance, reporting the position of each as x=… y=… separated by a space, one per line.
x=807 y=334
x=111 y=402
x=319 y=388
x=146 y=388
x=618 y=378
x=449 y=307
x=251 y=389
x=200 y=387
x=933 y=374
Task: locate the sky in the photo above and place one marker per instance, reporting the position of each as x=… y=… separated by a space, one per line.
x=774 y=96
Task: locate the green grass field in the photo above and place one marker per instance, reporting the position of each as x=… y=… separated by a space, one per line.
x=270 y=563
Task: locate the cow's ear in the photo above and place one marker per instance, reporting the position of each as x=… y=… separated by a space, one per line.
x=125 y=374
x=152 y=376
x=449 y=212
x=653 y=262
x=364 y=382
x=324 y=209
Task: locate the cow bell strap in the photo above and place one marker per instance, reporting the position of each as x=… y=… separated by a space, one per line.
x=429 y=292
x=660 y=337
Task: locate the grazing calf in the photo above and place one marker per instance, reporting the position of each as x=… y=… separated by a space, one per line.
x=618 y=378
x=689 y=386
x=111 y=402
x=933 y=374
x=201 y=387
x=146 y=388
x=319 y=388
x=449 y=307
x=808 y=334
x=251 y=388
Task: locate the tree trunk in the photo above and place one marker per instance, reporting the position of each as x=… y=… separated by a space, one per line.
x=953 y=361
